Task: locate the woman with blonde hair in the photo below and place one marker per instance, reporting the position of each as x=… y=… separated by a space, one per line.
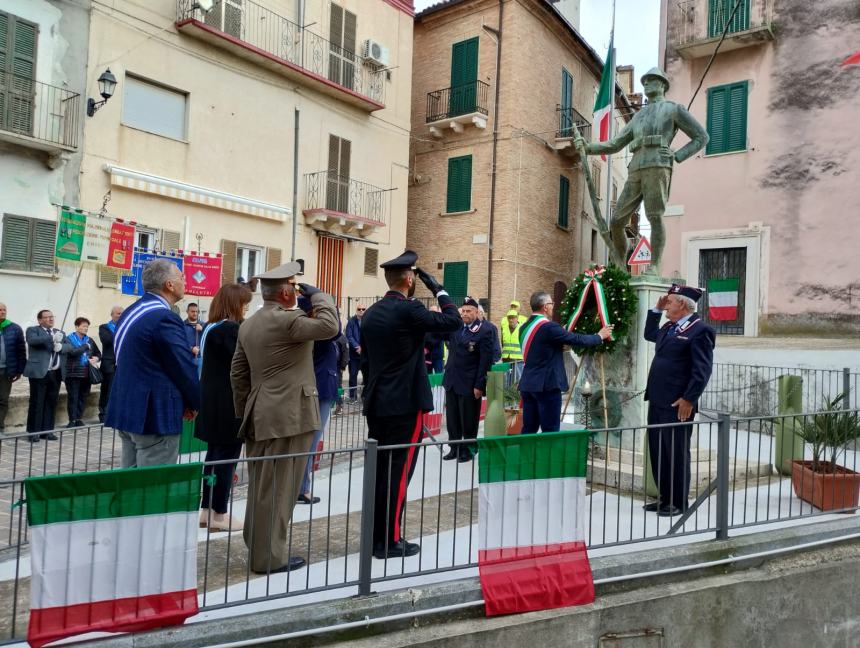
x=217 y=424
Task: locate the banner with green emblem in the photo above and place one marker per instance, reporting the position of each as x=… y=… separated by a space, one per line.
x=70 y=235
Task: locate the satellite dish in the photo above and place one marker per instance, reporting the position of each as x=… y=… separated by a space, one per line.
x=204 y=5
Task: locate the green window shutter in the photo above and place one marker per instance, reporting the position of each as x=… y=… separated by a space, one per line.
x=15 y=252
x=456 y=280
x=459 y=184
x=44 y=239
x=719 y=12
x=563 y=200
x=727 y=118
x=17 y=72
x=464 y=74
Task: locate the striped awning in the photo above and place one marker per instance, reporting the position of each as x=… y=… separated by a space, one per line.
x=139 y=181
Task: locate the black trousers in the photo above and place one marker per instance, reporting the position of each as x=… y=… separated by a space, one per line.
x=669 y=455
x=44 y=393
x=77 y=390
x=354 y=368
x=394 y=469
x=217 y=496
x=462 y=415
x=104 y=393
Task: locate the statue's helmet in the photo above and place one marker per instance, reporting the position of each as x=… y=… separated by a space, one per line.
x=656 y=73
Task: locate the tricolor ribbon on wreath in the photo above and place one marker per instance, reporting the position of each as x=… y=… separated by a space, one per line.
x=592 y=284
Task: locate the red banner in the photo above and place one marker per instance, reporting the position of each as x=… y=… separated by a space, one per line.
x=121 y=248
x=202 y=274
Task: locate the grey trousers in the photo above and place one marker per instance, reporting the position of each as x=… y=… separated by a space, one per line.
x=139 y=450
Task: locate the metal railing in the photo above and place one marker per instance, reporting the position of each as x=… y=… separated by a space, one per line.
x=567 y=117
x=699 y=20
x=43 y=112
x=274 y=34
x=753 y=390
x=466 y=99
x=358 y=200
x=742 y=473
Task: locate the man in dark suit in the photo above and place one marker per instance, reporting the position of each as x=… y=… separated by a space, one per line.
x=45 y=348
x=155 y=385
x=13 y=358
x=470 y=355
x=106 y=335
x=353 y=336
x=397 y=392
x=544 y=378
x=679 y=373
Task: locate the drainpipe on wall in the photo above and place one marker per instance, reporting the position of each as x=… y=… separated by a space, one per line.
x=498 y=34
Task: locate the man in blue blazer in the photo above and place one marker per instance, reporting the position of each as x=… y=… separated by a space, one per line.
x=680 y=371
x=353 y=336
x=544 y=378
x=156 y=384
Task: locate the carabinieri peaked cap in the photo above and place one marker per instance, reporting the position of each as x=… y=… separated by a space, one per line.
x=290 y=269
x=687 y=291
x=406 y=260
x=471 y=301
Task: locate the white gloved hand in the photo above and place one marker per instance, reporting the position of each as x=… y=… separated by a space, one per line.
x=57 y=347
x=58 y=336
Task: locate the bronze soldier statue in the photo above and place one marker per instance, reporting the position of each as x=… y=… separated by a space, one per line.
x=649 y=174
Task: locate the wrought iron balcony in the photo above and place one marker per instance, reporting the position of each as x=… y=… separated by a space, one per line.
x=459 y=105
x=38 y=115
x=342 y=205
x=565 y=134
x=699 y=25
x=267 y=38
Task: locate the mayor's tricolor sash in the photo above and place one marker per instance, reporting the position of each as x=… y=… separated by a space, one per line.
x=529 y=329
x=592 y=284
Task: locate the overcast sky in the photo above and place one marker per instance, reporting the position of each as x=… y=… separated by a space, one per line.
x=637 y=29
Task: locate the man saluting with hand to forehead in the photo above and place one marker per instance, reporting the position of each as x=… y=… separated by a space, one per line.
x=397 y=391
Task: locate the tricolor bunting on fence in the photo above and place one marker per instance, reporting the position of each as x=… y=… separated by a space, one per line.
x=112 y=550
x=531 y=522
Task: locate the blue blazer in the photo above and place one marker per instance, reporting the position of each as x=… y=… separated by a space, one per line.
x=544 y=367
x=682 y=363
x=353 y=335
x=156 y=377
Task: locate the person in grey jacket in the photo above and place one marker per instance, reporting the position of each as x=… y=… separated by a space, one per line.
x=44 y=351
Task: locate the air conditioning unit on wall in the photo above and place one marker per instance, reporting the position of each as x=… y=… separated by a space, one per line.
x=375 y=53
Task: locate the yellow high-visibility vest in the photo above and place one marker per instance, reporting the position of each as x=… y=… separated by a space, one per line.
x=511 y=342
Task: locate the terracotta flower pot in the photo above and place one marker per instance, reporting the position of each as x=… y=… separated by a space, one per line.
x=513 y=420
x=827 y=491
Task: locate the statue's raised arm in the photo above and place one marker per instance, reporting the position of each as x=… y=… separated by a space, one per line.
x=649 y=173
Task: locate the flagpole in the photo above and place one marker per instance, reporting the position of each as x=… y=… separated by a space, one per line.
x=613 y=66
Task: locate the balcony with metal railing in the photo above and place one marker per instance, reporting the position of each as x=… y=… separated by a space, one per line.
x=341 y=205
x=458 y=107
x=699 y=24
x=38 y=116
x=564 y=136
x=258 y=34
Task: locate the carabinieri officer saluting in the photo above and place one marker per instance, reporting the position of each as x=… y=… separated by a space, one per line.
x=397 y=391
x=470 y=354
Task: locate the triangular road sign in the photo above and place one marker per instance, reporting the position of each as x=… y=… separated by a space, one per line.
x=642 y=254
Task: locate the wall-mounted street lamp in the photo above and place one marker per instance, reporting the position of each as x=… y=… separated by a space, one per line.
x=107 y=85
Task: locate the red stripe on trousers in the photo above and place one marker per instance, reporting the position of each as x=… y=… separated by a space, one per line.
x=540 y=577
x=131 y=614
x=401 y=491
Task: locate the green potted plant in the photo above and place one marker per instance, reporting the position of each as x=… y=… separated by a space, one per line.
x=821 y=481
x=513 y=412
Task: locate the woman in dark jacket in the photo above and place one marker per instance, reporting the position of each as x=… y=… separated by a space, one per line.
x=216 y=423
x=79 y=353
x=325 y=370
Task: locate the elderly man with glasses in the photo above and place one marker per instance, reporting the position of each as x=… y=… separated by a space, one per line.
x=544 y=378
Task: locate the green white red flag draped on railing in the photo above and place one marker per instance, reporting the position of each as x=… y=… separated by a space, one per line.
x=532 y=521
x=112 y=550
x=592 y=285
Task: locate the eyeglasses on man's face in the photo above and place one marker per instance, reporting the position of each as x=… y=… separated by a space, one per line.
x=361 y=310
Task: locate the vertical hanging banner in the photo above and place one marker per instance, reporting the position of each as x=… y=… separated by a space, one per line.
x=202 y=274
x=96 y=240
x=121 y=248
x=132 y=284
x=70 y=235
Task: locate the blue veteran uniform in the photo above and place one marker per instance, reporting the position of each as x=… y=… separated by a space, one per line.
x=470 y=355
x=681 y=369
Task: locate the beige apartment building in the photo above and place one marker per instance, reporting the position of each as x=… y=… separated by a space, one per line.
x=771 y=203
x=196 y=147
x=498 y=206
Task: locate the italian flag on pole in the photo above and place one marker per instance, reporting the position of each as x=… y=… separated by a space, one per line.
x=112 y=550
x=723 y=299
x=603 y=103
x=532 y=520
